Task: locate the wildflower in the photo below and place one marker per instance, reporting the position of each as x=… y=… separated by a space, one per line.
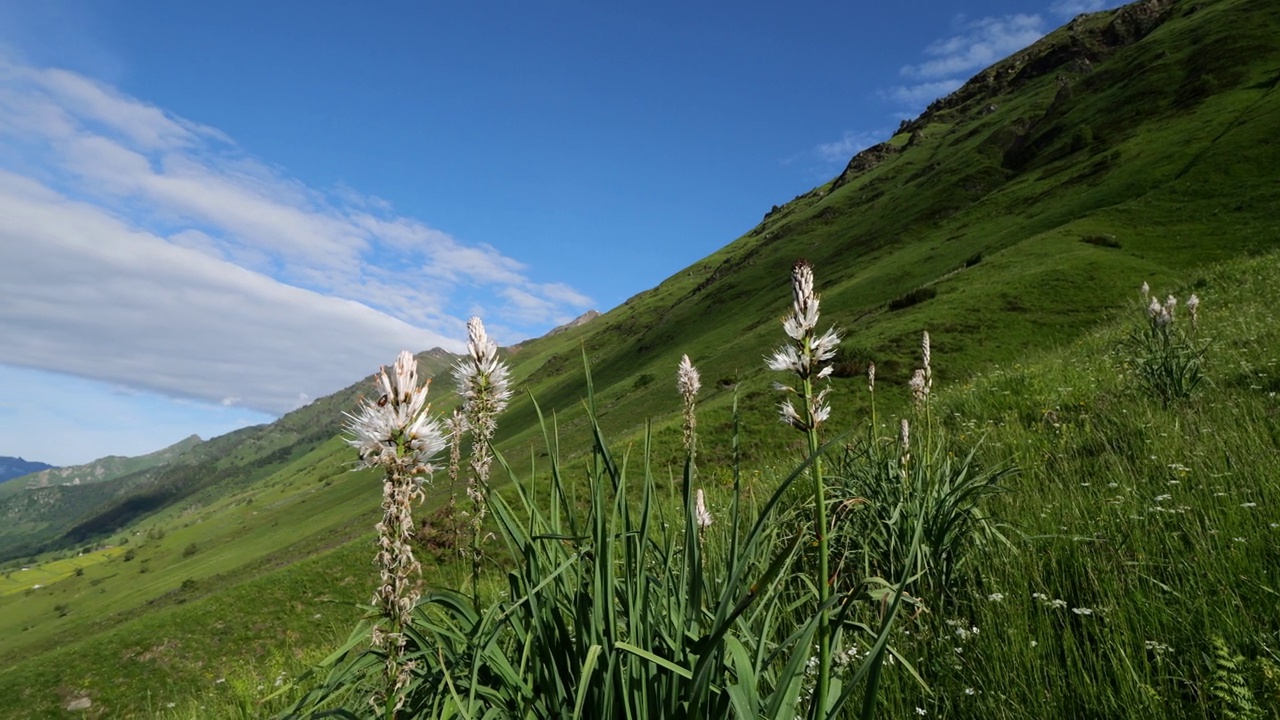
x=1193 y=304
x=1082 y=611
x=920 y=711
x=808 y=355
x=919 y=386
x=688 y=383
x=871 y=377
x=926 y=356
x=700 y=510
x=484 y=384
x=397 y=433
x=996 y=597
x=456 y=424
x=396 y=429
x=1146 y=291
x=968 y=691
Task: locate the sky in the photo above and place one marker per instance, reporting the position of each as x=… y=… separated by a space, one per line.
x=213 y=213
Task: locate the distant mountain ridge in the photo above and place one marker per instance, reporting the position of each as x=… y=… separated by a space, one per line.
x=100 y=470
x=13 y=467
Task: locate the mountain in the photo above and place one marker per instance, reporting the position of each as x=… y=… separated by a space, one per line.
x=100 y=470
x=1010 y=219
x=12 y=467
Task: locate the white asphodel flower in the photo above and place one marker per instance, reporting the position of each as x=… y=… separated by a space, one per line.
x=1155 y=309
x=484 y=381
x=919 y=386
x=808 y=354
x=926 y=354
x=397 y=427
x=700 y=510
x=1193 y=305
x=688 y=382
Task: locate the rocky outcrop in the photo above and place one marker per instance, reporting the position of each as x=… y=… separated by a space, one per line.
x=1073 y=49
x=864 y=161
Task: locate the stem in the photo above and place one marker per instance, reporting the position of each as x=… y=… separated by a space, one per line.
x=824 y=572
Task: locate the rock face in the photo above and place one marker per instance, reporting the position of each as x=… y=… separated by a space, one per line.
x=864 y=161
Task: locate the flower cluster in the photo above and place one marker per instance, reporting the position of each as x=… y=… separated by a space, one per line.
x=1162 y=314
x=922 y=380
x=397 y=430
x=808 y=354
x=484 y=383
x=397 y=433
x=688 y=382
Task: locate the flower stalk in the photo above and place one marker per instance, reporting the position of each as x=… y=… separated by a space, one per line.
x=397 y=434
x=484 y=384
x=808 y=356
x=688 y=383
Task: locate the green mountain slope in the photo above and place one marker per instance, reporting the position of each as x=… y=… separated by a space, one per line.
x=1012 y=215
x=1011 y=219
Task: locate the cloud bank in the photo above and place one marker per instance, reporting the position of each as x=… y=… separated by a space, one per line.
x=146 y=250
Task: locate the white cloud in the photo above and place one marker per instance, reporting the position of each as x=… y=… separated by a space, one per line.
x=1071 y=8
x=146 y=250
x=953 y=60
x=839 y=151
x=981 y=43
x=922 y=94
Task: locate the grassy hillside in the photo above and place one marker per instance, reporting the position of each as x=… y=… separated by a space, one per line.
x=1013 y=220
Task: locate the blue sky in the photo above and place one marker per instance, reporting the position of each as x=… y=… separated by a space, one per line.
x=212 y=213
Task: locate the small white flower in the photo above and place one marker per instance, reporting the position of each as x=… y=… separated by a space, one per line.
x=996 y=597
x=921 y=711
x=700 y=510
x=968 y=691
x=1082 y=611
x=919 y=386
x=483 y=379
x=688 y=381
